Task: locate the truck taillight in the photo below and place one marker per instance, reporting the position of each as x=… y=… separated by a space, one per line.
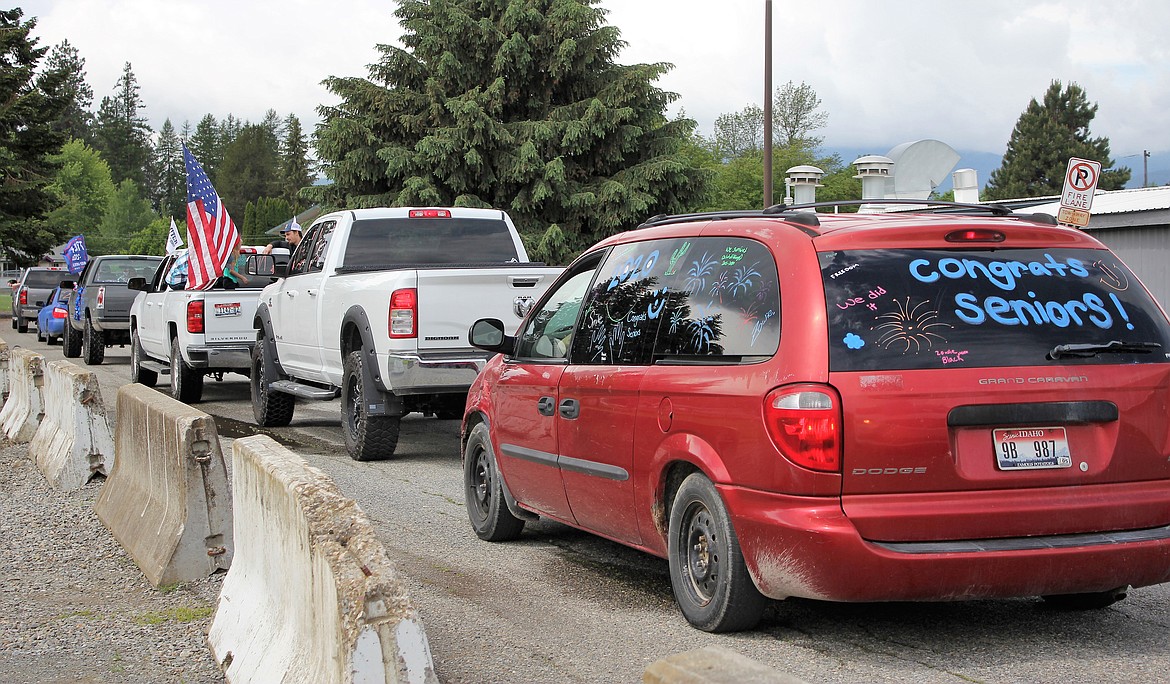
x=430 y=213
x=195 y=316
x=804 y=422
x=101 y=298
x=404 y=313
x=24 y=296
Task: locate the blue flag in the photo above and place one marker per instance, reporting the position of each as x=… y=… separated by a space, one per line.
x=75 y=254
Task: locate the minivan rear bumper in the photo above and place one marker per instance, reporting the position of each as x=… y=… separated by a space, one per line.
x=807 y=547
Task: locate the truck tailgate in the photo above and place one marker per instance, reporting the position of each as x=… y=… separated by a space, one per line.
x=227 y=315
x=450 y=300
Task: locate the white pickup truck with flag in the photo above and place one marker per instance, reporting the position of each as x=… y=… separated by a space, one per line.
x=190 y=334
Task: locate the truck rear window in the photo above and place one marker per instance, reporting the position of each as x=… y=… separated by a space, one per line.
x=46 y=280
x=919 y=308
x=428 y=241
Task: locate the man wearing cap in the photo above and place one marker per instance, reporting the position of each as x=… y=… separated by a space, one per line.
x=290 y=238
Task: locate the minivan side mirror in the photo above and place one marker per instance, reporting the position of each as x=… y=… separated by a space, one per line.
x=137 y=283
x=488 y=334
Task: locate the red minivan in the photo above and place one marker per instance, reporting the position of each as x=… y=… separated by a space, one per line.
x=926 y=405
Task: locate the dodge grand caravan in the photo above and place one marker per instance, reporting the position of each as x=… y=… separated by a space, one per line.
x=847 y=407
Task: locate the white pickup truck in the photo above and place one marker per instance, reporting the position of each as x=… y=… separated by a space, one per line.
x=376 y=305
x=190 y=334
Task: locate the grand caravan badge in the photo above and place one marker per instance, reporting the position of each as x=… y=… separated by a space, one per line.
x=227 y=309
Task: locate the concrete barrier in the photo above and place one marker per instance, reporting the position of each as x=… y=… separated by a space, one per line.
x=24 y=408
x=3 y=371
x=311 y=596
x=73 y=442
x=713 y=665
x=167 y=500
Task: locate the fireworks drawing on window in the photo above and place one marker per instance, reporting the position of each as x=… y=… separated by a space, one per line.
x=912 y=326
x=744 y=276
x=697 y=275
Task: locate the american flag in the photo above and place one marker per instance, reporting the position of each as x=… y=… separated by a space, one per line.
x=210 y=231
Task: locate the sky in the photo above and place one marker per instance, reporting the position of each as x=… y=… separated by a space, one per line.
x=886 y=72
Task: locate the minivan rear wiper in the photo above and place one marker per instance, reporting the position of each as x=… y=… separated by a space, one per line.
x=1112 y=347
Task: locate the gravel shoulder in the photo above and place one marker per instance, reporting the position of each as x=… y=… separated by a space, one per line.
x=74 y=607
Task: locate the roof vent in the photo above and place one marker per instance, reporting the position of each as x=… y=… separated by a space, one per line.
x=803 y=182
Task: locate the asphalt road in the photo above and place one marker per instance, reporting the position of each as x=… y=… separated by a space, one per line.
x=559 y=605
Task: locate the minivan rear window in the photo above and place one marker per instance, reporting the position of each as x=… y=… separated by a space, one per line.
x=901 y=309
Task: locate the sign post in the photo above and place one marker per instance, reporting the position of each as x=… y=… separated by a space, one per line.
x=1080 y=182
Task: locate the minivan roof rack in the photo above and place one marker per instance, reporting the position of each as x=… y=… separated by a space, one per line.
x=805 y=218
x=927 y=204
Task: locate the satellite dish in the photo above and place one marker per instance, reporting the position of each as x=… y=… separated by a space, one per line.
x=919 y=168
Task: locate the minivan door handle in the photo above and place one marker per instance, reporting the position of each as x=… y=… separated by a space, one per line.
x=545 y=406
x=570 y=408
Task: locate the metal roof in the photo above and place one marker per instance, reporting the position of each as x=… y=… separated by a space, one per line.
x=1115 y=201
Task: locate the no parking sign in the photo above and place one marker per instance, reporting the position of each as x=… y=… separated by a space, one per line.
x=1080 y=182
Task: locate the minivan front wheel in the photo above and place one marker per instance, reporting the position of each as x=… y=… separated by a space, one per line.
x=483 y=492
x=707 y=570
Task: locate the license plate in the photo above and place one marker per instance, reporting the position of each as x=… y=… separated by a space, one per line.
x=227 y=310
x=1031 y=448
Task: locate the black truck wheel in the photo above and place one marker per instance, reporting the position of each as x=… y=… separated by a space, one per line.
x=367 y=438
x=186 y=382
x=138 y=374
x=70 y=341
x=93 y=344
x=271 y=409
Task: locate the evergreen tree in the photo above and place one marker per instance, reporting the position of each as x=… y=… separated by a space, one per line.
x=296 y=171
x=250 y=169
x=263 y=215
x=516 y=104
x=229 y=128
x=30 y=106
x=274 y=123
x=82 y=187
x=76 y=121
x=170 y=194
x=205 y=144
x=1045 y=136
x=122 y=134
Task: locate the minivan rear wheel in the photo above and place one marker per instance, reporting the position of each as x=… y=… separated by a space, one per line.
x=707 y=571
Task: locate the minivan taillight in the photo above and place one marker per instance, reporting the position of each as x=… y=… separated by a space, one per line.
x=403 y=313
x=195 y=316
x=804 y=422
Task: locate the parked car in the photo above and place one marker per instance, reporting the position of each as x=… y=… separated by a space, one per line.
x=845 y=407
x=32 y=291
x=51 y=318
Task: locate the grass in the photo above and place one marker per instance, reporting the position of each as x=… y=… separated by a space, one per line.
x=180 y=614
x=6 y=301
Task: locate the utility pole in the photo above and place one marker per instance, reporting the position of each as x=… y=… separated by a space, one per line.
x=767 y=103
x=1145 y=168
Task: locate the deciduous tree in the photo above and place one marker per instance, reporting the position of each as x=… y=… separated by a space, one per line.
x=82 y=188
x=516 y=104
x=1045 y=136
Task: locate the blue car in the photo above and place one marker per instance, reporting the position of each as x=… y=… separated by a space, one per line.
x=51 y=319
